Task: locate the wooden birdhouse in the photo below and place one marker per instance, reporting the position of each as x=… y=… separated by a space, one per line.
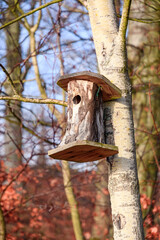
x=84 y=137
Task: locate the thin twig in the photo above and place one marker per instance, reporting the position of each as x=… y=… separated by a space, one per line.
x=35 y=27
x=9 y=79
x=148 y=21
x=29 y=13
x=26 y=128
x=150 y=108
x=19 y=173
x=154 y=154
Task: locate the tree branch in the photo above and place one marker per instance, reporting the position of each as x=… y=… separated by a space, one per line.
x=29 y=130
x=29 y=13
x=35 y=27
x=37 y=73
x=25 y=22
x=9 y=79
x=34 y=100
x=148 y=21
x=124 y=19
x=84 y=3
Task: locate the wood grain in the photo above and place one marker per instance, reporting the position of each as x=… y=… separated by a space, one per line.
x=109 y=90
x=84 y=115
x=83 y=151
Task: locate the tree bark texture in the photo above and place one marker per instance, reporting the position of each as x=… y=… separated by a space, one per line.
x=119 y=128
x=85 y=113
x=13 y=108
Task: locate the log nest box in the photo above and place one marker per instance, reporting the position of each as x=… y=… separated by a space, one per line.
x=84 y=137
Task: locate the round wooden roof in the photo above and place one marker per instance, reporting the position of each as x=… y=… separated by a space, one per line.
x=109 y=90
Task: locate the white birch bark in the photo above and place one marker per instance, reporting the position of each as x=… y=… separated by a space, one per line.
x=123 y=181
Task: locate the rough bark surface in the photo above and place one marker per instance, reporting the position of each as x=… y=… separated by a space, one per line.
x=119 y=130
x=85 y=113
x=13 y=108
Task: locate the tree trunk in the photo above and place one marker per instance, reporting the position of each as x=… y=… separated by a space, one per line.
x=77 y=228
x=123 y=181
x=13 y=108
x=2 y=226
x=102 y=227
x=72 y=201
x=143 y=54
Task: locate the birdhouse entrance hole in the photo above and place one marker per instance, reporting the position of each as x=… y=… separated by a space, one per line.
x=76 y=99
x=84 y=137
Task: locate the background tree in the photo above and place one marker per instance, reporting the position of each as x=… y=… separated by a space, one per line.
x=102 y=227
x=33 y=48
x=143 y=53
x=13 y=108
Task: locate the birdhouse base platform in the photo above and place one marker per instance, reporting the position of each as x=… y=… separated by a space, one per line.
x=83 y=151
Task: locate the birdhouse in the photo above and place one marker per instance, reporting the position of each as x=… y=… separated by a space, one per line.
x=84 y=137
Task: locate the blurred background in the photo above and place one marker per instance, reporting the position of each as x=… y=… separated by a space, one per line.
x=35 y=52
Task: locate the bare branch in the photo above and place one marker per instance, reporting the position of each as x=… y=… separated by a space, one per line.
x=37 y=74
x=34 y=100
x=29 y=13
x=9 y=79
x=148 y=21
x=29 y=130
x=71 y=9
x=124 y=19
x=84 y=3
x=25 y=22
x=35 y=27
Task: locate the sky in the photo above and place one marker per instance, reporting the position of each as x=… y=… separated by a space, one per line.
x=77 y=50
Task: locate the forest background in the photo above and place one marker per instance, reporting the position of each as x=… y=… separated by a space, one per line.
x=35 y=190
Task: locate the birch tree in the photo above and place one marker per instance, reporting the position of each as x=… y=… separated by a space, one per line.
x=110 y=45
x=111 y=54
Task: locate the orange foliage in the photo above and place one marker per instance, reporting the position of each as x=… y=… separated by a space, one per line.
x=35 y=206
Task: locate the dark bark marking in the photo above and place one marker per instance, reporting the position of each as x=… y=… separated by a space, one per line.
x=119 y=221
